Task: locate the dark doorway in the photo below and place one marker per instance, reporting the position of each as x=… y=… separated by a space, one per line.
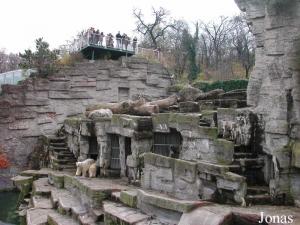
x=167 y=144
x=123 y=94
x=93 y=148
x=115 y=152
x=127 y=150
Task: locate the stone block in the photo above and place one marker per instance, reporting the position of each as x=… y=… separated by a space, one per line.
x=185 y=170
x=210 y=168
x=36 y=102
x=214 y=215
x=129 y=198
x=158 y=160
x=162 y=202
x=188 y=107
x=69 y=95
x=19 y=126
x=59 y=85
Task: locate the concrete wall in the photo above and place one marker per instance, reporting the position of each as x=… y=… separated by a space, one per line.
x=190 y=180
x=40 y=105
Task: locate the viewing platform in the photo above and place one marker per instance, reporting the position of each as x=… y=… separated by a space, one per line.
x=95 y=45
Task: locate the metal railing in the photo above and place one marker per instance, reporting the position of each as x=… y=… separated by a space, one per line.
x=13 y=77
x=89 y=38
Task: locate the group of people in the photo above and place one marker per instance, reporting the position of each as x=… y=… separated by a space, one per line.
x=96 y=37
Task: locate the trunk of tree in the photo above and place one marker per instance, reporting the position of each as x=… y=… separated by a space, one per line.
x=125 y=107
x=165 y=103
x=145 y=110
x=139 y=107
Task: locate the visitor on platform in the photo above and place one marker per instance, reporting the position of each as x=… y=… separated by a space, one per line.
x=91 y=32
x=101 y=37
x=96 y=38
x=119 y=40
x=123 y=40
x=110 y=41
x=134 y=43
x=126 y=42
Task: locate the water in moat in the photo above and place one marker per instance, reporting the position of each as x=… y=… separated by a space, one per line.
x=8 y=206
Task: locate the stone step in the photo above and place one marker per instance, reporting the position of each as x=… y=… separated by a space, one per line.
x=241 y=148
x=64 y=161
x=129 y=197
x=38 y=216
x=55 y=194
x=56 y=139
x=67 y=203
x=254 y=176
x=58 y=144
x=36 y=174
x=250 y=162
x=162 y=201
x=243 y=155
x=41 y=202
x=59 y=149
x=153 y=221
x=58 y=219
x=86 y=219
x=95 y=190
x=259 y=199
x=63 y=155
x=116 y=213
x=42 y=187
x=254 y=190
x=23 y=183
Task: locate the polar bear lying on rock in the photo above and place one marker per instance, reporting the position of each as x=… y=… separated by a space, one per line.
x=99 y=113
x=85 y=166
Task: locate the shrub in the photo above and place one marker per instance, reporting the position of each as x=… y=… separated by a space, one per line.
x=70 y=59
x=228 y=85
x=42 y=59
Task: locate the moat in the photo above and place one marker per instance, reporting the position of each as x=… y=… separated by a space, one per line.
x=8 y=207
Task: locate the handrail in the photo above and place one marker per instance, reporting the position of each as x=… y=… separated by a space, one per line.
x=95 y=39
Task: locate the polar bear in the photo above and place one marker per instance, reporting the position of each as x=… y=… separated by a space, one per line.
x=93 y=170
x=99 y=113
x=83 y=167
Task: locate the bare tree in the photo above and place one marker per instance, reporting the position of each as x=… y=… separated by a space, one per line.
x=243 y=43
x=156 y=29
x=215 y=38
x=8 y=62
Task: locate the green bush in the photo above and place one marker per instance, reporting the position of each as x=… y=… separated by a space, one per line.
x=228 y=85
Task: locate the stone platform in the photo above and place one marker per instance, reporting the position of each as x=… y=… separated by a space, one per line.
x=70 y=200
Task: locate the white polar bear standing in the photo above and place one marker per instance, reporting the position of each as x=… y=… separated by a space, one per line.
x=83 y=167
x=93 y=170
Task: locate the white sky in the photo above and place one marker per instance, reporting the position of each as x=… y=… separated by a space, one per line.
x=23 y=21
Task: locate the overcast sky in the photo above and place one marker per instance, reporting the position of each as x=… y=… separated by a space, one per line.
x=23 y=21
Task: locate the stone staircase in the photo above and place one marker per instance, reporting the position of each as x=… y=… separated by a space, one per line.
x=249 y=165
x=61 y=158
x=62 y=199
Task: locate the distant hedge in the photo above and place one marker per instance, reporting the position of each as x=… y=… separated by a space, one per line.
x=228 y=85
